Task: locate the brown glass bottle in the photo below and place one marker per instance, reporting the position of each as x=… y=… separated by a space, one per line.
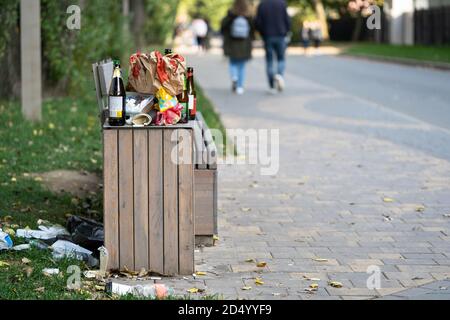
x=183 y=99
x=116 y=99
x=192 y=95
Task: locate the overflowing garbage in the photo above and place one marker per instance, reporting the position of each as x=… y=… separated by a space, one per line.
x=80 y=240
x=152 y=290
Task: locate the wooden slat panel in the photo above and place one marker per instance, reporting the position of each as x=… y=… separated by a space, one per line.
x=155 y=191
x=170 y=204
x=204 y=202
x=141 y=224
x=215 y=201
x=111 y=194
x=200 y=150
x=185 y=203
x=126 y=199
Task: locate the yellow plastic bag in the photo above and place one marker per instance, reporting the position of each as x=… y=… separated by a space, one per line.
x=165 y=100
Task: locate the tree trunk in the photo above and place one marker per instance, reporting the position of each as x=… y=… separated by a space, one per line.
x=137 y=22
x=30 y=52
x=357 y=30
x=320 y=12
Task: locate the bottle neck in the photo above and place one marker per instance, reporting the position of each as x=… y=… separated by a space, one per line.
x=117 y=73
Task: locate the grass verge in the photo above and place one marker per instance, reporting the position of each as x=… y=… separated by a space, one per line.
x=420 y=53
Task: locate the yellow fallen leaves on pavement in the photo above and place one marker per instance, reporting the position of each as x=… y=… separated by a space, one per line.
x=200 y=273
x=388 y=200
x=314 y=286
x=259 y=281
x=335 y=284
x=250 y=260
x=261 y=264
x=246 y=288
x=420 y=209
x=320 y=260
x=193 y=290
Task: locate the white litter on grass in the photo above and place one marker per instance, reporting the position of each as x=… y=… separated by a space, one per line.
x=44 y=232
x=21 y=247
x=63 y=248
x=50 y=271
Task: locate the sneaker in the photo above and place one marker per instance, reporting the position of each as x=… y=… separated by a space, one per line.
x=234 y=86
x=240 y=91
x=272 y=91
x=279 y=82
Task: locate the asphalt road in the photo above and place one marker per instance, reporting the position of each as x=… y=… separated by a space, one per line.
x=418 y=92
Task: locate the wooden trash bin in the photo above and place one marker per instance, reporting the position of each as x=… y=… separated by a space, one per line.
x=148 y=198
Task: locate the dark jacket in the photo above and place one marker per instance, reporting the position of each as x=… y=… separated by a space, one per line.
x=236 y=48
x=272 y=19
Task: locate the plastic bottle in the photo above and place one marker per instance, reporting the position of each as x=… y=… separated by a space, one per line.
x=5 y=241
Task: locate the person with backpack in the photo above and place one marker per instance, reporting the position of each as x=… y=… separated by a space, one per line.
x=238 y=33
x=274 y=23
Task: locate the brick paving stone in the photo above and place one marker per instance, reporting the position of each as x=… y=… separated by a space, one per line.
x=340 y=155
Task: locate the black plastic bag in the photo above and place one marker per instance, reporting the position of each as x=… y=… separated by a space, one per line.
x=86 y=233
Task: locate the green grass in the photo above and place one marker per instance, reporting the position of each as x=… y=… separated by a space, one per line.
x=69 y=137
x=421 y=53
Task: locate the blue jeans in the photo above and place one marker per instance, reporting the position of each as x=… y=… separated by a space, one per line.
x=237 y=71
x=275 y=45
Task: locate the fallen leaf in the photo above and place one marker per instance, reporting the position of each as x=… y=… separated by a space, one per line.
x=259 y=282
x=310 y=291
x=215 y=238
x=28 y=271
x=40 y=289
x=200 y=273
x=246 y=209
x=142 y=273
x=99 y=288
x=4 y=264
x=26 y=260
x=314 y=286
x=335 y=284
x=250 y=260
x=192 y=290
x=261 y=264
x=388 y=200
x=320 y=260
x=420 y=209
x=9 y=231
x=246 y=288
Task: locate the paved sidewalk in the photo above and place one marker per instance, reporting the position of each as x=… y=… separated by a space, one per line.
x=355 y=189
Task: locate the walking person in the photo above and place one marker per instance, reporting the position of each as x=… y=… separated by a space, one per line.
x=238 y=33
x=274 y=23
x=200 y=30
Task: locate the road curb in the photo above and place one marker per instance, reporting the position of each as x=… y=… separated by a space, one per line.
x=404 y=61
